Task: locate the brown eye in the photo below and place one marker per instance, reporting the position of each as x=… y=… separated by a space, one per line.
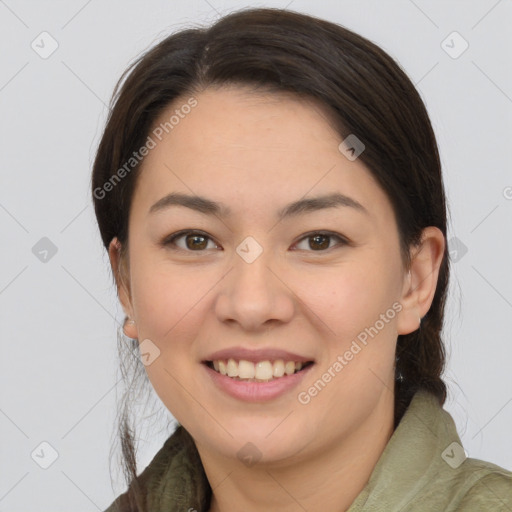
x=194 y=241
x=320 y=242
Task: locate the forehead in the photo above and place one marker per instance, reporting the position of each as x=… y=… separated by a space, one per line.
x=251 y=150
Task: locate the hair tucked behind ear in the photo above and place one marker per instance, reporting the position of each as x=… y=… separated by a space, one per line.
x=368 y=95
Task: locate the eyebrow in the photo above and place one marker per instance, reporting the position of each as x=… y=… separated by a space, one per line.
x=209 y=207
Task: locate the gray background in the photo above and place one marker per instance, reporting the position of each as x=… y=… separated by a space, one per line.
x=58 y=317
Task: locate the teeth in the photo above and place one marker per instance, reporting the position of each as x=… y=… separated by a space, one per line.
x=289 y=368
x=264 y=370
x=260 y=371
x=278 y=368
x=246 y=369
x=232 y=368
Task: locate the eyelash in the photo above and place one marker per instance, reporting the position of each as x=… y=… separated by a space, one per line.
x=170 y=240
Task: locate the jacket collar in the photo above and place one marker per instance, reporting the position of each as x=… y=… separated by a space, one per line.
x=420 y=450
x=416 y=454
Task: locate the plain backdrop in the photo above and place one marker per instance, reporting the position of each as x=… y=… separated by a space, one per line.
x=57 y=303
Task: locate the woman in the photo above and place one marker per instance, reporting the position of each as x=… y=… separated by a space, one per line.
x=270 y=194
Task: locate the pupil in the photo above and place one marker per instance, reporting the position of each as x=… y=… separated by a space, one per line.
x=193 y=244
x=325 y=245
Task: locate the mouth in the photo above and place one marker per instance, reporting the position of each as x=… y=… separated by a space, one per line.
x=261 y=371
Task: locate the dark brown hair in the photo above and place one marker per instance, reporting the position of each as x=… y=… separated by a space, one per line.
x=368 y=94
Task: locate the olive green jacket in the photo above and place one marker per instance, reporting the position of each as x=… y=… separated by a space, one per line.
x=423 y=468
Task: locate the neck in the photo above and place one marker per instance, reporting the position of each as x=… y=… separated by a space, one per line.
x=328 y=479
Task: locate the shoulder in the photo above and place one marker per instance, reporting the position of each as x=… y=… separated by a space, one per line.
x=425 y=465
x=483 y=486
x=174 y=478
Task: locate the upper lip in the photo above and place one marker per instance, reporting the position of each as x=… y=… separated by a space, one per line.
x=270 y=354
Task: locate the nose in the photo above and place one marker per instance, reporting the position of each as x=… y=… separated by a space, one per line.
x=255 y=295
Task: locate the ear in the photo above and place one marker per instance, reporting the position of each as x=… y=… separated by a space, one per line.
x=421 y=282
x=123 y=286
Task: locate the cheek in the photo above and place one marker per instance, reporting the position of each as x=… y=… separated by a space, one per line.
x=355 y=305
x=170 y=308
x=347 y=299
x=166 y=299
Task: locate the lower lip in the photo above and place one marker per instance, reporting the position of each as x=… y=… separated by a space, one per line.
x=256 y=391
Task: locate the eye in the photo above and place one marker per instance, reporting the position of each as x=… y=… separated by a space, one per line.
x=195 y=241
x=320 y=241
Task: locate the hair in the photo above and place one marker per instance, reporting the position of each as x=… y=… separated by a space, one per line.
x=367 y=93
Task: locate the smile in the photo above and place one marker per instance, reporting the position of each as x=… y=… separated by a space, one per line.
x=261 y=371
x=246 y=383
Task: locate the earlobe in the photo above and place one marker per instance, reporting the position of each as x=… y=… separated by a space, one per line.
x=129 y=328
x=123 y=287
x=421 y=281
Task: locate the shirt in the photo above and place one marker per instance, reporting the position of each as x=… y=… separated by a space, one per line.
x=423 y=468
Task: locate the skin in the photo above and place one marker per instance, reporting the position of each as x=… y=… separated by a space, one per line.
x=256 y=153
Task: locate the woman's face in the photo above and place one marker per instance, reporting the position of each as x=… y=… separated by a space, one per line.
x=320 y=281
